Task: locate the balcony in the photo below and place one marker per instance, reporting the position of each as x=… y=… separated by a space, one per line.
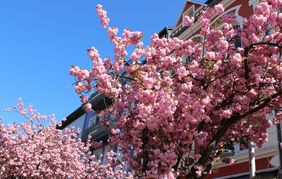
x=100 y=102
x=180 y=28
x=99 y=131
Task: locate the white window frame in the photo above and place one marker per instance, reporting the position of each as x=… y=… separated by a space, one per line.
x=253 y=3
x=239 y=18
x=192 y=8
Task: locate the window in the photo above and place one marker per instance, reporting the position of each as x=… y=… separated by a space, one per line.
x=198 y=39
x=253 y=3
x=189 y=12
x=241 y=145
x=237 y=39
x=93 y=121
x=186 y=59
x=105 y=151
x=228 y=149
x=237 y=42
x=98 y=153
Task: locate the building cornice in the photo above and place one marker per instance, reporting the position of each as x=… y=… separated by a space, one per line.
x=242 y=156
x=196 y=26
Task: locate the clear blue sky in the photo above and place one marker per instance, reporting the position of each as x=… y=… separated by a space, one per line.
x=40 y=40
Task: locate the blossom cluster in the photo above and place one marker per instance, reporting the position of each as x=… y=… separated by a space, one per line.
x=103 y=15
x=37 y=149
x=176 y=117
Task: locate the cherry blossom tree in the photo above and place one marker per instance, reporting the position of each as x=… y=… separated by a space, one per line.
x=174 y=118
x=34 y=150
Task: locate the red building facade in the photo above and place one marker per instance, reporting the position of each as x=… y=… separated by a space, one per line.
x=267 y=158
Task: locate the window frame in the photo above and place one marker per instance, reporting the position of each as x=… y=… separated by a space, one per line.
x=192 y=9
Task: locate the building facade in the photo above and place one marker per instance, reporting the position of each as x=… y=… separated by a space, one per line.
x=90 y=125
x=267 y=157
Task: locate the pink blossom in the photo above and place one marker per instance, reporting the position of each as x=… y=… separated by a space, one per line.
x=88 y=107
x=46 y=152
x=219 y=8
x=181 y=72
x=83 y=99
x=199 y=171
x=79 y=88
x=112 y=32
x=169 y=106
x=210 y=55
x=188 y=21
x=103 y=15
x=236 y=59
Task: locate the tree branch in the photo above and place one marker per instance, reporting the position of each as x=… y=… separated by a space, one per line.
x=227 y=123
x=145 y=156
x=126 y=77
x=246 y=53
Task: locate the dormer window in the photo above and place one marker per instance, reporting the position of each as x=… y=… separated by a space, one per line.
x=198 y=38
x=253 y=3
x=189 y=12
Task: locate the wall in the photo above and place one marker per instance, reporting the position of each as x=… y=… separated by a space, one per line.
x=78 y=123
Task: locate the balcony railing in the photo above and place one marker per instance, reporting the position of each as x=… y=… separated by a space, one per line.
x=99 y=131
x=180 y=28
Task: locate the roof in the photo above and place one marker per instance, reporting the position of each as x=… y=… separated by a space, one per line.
x=195 y=2
x=185 y=7
x=164 y=31
x=208 y=1
x=187 y=2
x=212 y=2
x=72 y=117
x=98 y=101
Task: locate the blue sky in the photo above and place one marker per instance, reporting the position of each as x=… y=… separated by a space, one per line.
x=40 y=40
